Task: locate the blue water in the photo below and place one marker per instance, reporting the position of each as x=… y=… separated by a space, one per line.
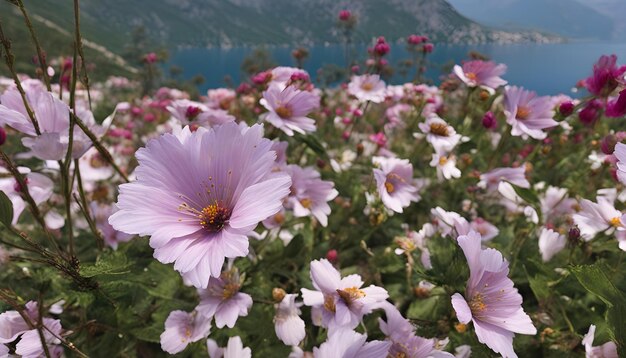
x=545 y=68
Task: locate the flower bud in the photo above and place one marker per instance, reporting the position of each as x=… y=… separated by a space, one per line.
x=3 y=136
x=607 y=145
x=332 y=256
x=566 y=108
x=278 y=294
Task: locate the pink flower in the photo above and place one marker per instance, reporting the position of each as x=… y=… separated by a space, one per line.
x=150 y=57
x=395 y=183
x=446 y=166
x=486 y=229
x=281 y=76
x=101 y=214
x=597 y=217
x=342 y=300
x=345 y=15
x=287 y=322
x=367 y=88
x=222 y=299
x=607 y=350
x=53 y=118
x=481 y=73
x=188 y=112
x=528 y=114
x=234 y=349
x=199 y=195
x=345 y=343
x=550 y=243
x=491 y=302
x=14 y=327
x=288 y=109
x=440 y=134
x=309 y=193
x=182 y=328
x=40 y=187
x=620 y=154
x=492 y=179
x=405 y=343
x=605 y=76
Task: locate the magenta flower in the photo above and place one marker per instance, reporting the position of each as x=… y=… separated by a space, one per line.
x=182 y=328
x=528 y=114
x=345 y=343
x=288 y=109
x=491 y=302
x=481 y=73
x=342 y=300
x=222 y=299
x=605 y=76
x=617 y=107
x=395 y=183
x=200 y=195
x=309 y=193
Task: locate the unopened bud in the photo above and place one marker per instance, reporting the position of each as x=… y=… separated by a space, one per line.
x=278 y=294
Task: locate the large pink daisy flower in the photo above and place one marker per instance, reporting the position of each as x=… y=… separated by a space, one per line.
x=198 y=196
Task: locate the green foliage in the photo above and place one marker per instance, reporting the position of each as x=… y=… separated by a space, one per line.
x=6 y=210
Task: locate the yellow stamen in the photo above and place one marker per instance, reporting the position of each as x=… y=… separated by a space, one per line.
x=329 y=303
x=284 y=112
x=367 y=86
x=522 y=112
x=477 y=305
x=350 y=294
x=390 y=188
x=616 y=222
x=443 y=160
x=440 y=129
x=306 y=202
x=471 y=76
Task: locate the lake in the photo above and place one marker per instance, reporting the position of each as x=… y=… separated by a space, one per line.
x=548 y=69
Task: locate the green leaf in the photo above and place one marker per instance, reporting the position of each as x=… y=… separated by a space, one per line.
x=312 y=142
x=113 y=263
x=595 y=280
x=528 y=195
x=6 y=210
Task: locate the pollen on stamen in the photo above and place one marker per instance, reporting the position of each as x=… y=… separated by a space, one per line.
x=214 y=217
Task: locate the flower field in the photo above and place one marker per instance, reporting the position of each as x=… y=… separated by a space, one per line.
x=281 y=218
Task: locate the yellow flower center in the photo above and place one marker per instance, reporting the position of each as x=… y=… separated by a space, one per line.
x=350 y=294
x=214 y=217
x=284 y=112
x=616 y=222
x=306 y=202
x=522 y=113
x=230 y=289
x=329 y=303
x=367 y=86
x=471 y=76
x=440 y=129
x=460 y=327
x=390 y=188
x=443 y=160
x=477 y=305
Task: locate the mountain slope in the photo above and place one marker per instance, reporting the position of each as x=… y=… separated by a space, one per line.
x=568 y=18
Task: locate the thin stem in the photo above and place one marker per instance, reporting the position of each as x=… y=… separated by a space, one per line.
x=10 y=60
x=34 y=209
x=79 y=48
x=101 y=149
x=40 y=55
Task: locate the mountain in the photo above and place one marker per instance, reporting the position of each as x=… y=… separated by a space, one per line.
x=613 y=9
x=569 y=18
